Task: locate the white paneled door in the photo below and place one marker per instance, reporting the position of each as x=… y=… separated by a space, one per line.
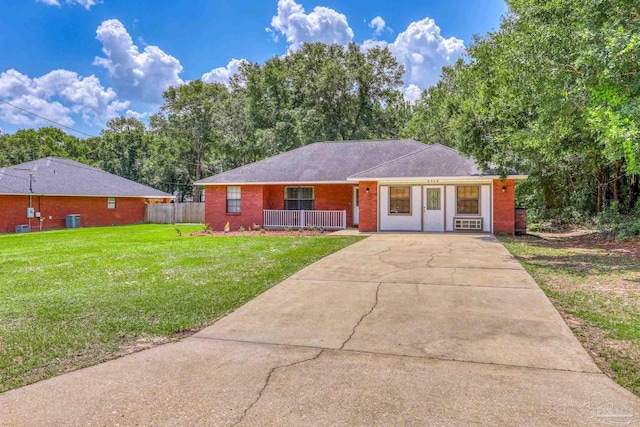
x=433 y=208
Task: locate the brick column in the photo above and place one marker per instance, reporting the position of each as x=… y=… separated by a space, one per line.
x=504 y=204
x=368 y=206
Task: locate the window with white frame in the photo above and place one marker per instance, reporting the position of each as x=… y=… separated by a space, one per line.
x=111 y=202
x=468 y=200
x=233 y=199
x=298 y=198
x=400 y=200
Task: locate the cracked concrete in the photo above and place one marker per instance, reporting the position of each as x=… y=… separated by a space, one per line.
x=266 y=383
x=373 y=307
x=399 y=329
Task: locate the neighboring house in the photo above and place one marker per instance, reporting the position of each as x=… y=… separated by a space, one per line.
x=41 y=193
x=390 y=185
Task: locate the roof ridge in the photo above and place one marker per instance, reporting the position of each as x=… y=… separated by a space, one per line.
x=428 y=146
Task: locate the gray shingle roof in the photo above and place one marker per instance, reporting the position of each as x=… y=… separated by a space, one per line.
x=55 y=175
x=337 y=161
x=434 y=160
x=318 y=162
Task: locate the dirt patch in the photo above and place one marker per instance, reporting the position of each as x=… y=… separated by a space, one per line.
x=592 y=240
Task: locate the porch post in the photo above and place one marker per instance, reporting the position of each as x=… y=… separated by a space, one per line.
x=302 y=219
x=344 y=220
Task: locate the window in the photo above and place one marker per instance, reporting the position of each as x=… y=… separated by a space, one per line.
x=233 y=199
x=467 y=198
x=298 y=198
x=399 y=200
x=433 y=199
x=111 y=202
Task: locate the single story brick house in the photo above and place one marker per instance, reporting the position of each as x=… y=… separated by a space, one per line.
x=377 y=185
x=41 y=193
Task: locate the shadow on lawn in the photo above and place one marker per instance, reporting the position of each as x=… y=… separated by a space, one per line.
x=581 y=255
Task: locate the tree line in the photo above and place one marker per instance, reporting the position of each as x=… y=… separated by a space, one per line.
x=553 y=93
x=321 y=92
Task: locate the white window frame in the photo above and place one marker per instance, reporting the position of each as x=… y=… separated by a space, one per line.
x=479 y=200
x=298 y=199
x=391 y=199
x=111 y=203
x=234 y=194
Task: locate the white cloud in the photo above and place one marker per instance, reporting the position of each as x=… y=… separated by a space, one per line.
x=411 y=93
x=377 y=23
x=140 y=76
x=57 y=95
x=321 y=25
x=85 y=3
x=370 y=44
x=424 y=52
x=137 y=115
x=223 y=74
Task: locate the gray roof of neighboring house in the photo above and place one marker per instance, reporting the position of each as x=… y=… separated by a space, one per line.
x=318 y=162
x=338 y=161
x=434 y=160
x=58 y=176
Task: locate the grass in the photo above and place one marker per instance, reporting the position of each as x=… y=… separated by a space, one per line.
x=73 y=298
x=595 y=284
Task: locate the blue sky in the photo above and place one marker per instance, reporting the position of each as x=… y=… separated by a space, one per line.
x=80 y=62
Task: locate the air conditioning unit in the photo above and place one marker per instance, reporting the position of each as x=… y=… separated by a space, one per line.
x=468 y=224
x=73 y=221
x=25 y=228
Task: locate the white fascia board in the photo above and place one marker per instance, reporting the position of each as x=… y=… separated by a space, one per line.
x=275 y=183
x=438 y=179
x=87 y=195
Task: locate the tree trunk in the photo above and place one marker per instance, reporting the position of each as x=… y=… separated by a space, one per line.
x=616 y=181
x=599 y=184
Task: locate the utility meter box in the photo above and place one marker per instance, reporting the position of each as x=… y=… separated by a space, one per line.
x=31 y=212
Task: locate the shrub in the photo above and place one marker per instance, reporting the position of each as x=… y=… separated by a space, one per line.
x=255 y=227
x=241 y=229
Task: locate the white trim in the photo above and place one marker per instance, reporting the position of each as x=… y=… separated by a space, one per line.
x=86 y=195
x=435 y=180
x=289 y=183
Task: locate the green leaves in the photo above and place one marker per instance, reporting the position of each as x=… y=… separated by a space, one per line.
x=553 y=93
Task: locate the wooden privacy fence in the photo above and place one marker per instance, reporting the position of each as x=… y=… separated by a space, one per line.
x=174 y=213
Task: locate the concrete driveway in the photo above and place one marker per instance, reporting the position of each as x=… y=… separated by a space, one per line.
x=399 y=329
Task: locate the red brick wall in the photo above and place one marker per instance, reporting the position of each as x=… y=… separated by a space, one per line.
x=215 y=208
x=504 y=206
x=255 y=198
x=368 y=206
x=93 y=211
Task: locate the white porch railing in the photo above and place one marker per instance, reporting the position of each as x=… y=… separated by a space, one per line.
x=329 y=220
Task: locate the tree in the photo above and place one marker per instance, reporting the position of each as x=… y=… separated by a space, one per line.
x=123 y=148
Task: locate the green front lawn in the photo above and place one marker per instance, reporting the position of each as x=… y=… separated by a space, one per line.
x=73 y=298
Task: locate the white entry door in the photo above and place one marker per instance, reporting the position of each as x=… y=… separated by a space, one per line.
x=433 y=209
x=356 y=206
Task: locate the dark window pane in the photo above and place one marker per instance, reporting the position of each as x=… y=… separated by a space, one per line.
x=233 y=206
x=291 y=193
x=306 y=205
x=291 y=205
